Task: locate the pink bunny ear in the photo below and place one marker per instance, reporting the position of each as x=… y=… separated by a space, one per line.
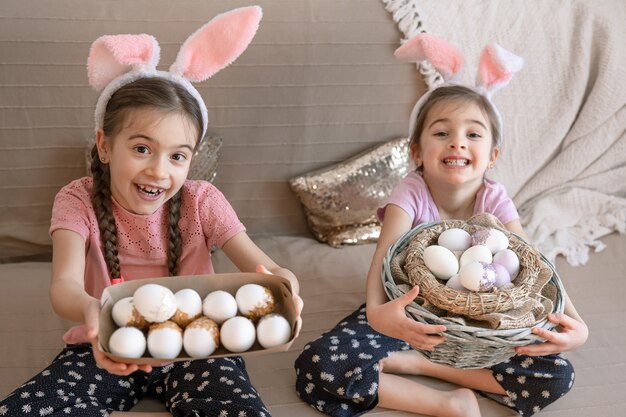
x=496 y=68
x=114 y=55
x=217 y=44
x=424 y=47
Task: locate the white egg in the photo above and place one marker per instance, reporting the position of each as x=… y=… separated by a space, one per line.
x=155 y=303
x=508 y=259
x=440 y=261
x=124 y=314
x=219 y=306
x=189 y=307
x=494 y=239
x=502 y=275
x=455 y=283
x=127 y=342
x=455 y=239
x=165 y=340
x=480 y=253
x=201 y=337
x=237 y=334
x=254 y=301
x=477 y=276
x=273 y=330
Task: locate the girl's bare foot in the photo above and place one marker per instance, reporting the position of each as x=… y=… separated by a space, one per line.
x=400 y=393
x=409 y=362
x=412 y=362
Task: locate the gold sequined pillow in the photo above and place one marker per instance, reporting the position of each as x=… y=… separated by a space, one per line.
x=340 y=201
x=203 y=163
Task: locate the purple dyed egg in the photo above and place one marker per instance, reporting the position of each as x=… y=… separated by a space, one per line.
x=494 y=239
x=508 y=259
x=502 y=275
x=455 y=283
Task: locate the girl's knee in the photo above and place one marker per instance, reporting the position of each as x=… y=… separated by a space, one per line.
x=565 y=376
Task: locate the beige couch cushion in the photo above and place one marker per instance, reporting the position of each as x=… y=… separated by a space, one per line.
x=332 y=286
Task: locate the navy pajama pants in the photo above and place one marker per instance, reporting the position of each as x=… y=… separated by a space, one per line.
x=74 y=386
x=338 y=372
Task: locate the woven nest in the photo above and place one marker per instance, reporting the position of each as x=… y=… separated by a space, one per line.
x=483 y=328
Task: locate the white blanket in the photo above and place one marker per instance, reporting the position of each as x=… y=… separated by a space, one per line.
x=564 y=152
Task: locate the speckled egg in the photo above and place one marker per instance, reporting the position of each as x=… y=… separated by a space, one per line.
x=189 y=307
x=165 y=340
x=201 y=337
x=125 y=314
x=254 y=301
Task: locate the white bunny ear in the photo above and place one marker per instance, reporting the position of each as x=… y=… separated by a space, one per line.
x=496 y=68
x=217 y=44
x=113 y=55
x=424 y=47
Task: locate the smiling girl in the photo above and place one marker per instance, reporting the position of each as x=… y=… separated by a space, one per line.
x=137 y=217
x=455 y=137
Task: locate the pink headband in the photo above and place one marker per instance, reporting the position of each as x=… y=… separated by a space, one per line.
x=117 y=60
x=496 y=68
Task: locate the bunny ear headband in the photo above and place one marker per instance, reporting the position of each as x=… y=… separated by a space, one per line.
x=495 y=69
x=117 y=60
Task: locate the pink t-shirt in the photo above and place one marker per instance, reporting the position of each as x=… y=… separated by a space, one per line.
x=413 y=196
x=207 y=220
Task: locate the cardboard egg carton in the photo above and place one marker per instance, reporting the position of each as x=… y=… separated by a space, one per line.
x=203 y=284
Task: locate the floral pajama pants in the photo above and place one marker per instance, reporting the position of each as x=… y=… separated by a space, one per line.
x=74 y=386
x=338 y=372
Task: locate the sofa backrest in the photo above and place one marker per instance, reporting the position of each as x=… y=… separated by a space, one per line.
x=318 y=84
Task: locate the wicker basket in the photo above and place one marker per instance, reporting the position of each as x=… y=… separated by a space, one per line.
x=468 y=346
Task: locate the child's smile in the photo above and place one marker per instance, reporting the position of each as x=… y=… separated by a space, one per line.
x=454 y=161
x=150 y=192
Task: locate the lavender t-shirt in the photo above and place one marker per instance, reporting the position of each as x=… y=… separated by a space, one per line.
x=413 y=196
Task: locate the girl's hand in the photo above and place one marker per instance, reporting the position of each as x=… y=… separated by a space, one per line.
x=92 y=317
x=390 y=319
x=572 y=334
x=297 y=301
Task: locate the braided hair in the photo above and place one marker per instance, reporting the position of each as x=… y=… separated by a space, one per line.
x=161 y=94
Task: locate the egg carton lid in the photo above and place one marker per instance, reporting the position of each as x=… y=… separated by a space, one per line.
x=203 y=284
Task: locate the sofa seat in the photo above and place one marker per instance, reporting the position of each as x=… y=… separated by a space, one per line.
x=332 y=286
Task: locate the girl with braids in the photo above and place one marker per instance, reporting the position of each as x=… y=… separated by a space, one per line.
x=138 y=217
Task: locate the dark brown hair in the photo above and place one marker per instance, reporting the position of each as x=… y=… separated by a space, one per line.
x=460 y=94
x=162 y=95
